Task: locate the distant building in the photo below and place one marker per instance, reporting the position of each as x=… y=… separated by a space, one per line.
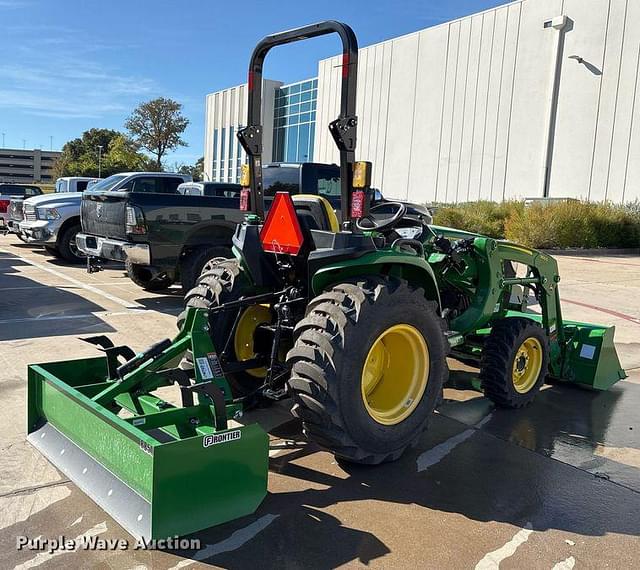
x=27 y=165
x=536 y=98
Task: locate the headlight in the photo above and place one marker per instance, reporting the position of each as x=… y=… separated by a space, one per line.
x=47 y=213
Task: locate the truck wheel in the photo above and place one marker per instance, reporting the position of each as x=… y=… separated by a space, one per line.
x=225 y=282
x=143 y=277
x=368 y=366
x=197 y=261
x=52 y=250
x=68 y=247
x=514 y=364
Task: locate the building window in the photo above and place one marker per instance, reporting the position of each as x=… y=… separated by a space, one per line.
x=294 y=122
x=214 y=169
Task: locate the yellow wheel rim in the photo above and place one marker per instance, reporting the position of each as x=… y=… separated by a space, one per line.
x=243 y=340
x=527 y=364
x=395 y=374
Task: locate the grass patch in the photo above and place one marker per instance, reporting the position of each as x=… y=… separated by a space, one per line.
x=556 y=225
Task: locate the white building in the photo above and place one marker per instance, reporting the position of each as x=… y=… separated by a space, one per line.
x=533 y=98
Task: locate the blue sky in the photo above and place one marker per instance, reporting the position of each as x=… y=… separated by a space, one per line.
x=68 y=66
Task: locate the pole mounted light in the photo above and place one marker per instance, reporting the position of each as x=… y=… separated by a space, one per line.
x=99 y=161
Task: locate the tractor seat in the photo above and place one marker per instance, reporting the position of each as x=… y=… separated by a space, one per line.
x=315 y=213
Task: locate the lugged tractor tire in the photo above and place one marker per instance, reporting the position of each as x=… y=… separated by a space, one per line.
x=514 y=362
x=223 y=282
x=340 y=381
x=199 y=261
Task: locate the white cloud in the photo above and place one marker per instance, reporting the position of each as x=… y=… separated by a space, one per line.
x=70 y=83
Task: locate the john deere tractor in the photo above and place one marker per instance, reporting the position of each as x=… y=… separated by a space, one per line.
x=351 y=318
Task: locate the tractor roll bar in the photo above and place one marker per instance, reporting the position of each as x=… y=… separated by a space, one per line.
x=343 y=129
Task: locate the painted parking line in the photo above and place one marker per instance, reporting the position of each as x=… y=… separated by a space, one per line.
x=80 y=284
x=492 y=560
x=96 y=314
x=235 y=541
x=611 y=312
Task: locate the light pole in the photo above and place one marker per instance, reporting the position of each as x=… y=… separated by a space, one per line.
x=99 y=161
x=50 y=142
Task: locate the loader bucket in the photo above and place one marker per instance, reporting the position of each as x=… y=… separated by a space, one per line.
x=162 y=470
x=590 y=358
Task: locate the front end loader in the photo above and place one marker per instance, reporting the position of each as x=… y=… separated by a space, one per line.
x=352 y=319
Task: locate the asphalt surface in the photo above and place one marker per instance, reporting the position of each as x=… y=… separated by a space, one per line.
x=556 y=485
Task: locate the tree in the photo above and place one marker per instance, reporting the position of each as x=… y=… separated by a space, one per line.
x=196 y=171
x=80 y=156
x=157 y=125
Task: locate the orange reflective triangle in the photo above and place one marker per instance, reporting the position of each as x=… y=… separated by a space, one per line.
x=281 y=232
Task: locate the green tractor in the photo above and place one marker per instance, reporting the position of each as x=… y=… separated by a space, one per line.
x=353 y=319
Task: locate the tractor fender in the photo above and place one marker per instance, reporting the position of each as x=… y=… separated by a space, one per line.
x=412 y=268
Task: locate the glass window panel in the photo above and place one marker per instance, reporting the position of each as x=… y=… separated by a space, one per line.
x=294 y=109
x=315 y=83
x=222 y=143
x=312 y=134
x=306 y=96
x=303 y=143
x=294 y=88
x=305 y=86
x=305 y=117
x=231 y=135
x=305 y=107
x=294 y=99
x=292 y=144
x=313 y=115
x=293 y=120
x=313 y=105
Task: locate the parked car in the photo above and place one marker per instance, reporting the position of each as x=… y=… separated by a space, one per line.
x=9 y=192
x=169 y=238
x=53 y=220
x=163 y=236
x=75 y=183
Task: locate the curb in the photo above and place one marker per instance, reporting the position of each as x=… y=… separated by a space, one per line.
x=593 y=252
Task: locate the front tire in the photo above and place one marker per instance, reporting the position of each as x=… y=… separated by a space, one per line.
x=368 y=367
x=67 y=246
x=515 y=361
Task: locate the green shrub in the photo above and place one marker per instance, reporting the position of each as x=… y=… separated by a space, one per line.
x=486 y=218
x=555 y=225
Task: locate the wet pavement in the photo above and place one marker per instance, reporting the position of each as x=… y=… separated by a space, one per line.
x=556 y=485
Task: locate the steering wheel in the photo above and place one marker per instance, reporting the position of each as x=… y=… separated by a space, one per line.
x=370 y=223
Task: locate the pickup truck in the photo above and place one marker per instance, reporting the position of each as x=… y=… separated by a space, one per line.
x=165 y=238
x=10 y=192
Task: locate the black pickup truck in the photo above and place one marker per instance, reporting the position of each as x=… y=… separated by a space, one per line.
x=169 y=237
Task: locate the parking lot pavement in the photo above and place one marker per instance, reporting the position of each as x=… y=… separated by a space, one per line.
x=556 y=485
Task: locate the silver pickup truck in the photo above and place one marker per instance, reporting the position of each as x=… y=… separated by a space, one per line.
x=53 y=220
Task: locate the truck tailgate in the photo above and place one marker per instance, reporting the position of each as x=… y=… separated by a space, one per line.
x=104 y=214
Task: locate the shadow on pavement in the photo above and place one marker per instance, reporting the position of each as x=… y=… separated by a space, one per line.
x=484 y=478
x=30 y=310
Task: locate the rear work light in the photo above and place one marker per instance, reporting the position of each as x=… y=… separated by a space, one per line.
x=245 y=198
x=357 y=203
x=281 y=232
x=4 y=204
x=135 y=223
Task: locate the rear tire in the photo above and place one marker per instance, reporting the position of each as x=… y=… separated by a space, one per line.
x=141 y=276
x=199 y=260
x=225 y=281
x=67 y=245
x=515 y=361
x=341 y=408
